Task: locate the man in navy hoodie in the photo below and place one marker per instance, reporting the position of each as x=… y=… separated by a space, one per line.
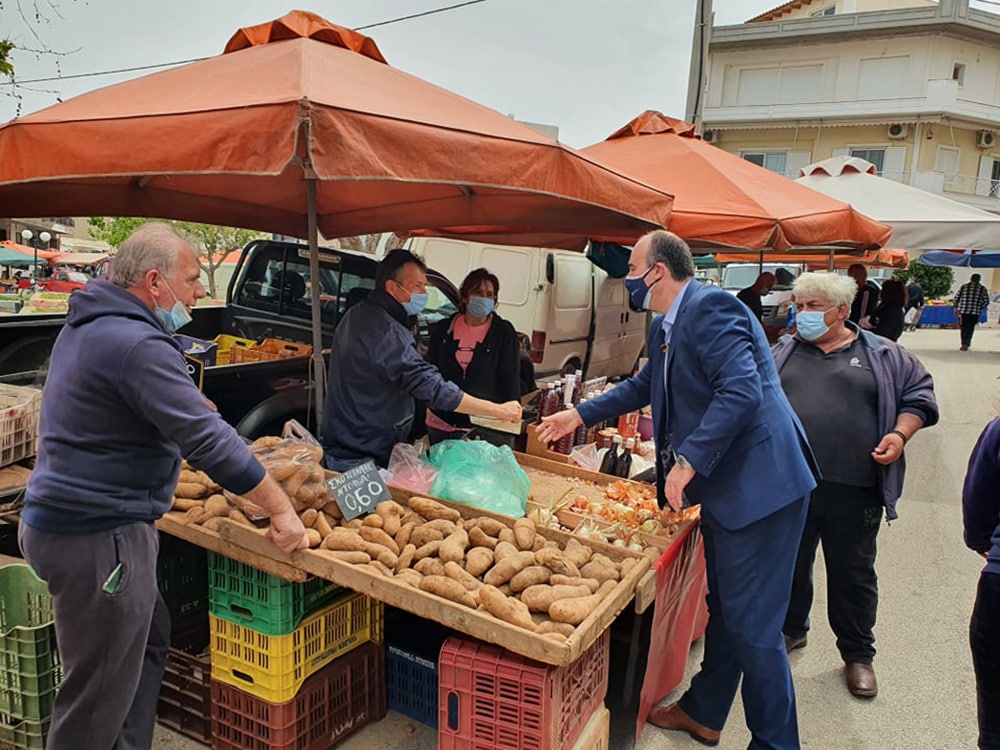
x=118 y=413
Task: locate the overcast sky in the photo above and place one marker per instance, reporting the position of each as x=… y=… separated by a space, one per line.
x=587 y=66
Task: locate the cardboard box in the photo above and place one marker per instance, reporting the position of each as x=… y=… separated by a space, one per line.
x=536 y=447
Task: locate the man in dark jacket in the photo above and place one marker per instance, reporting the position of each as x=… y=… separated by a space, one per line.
x=971 y=300
x=752 y=295
x=376 y=372
x=866 y=298
x=118 y=413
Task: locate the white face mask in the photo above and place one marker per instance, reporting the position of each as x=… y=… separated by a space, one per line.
x=176 y=317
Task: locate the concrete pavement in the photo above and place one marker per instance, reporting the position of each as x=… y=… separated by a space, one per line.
x=927 y=581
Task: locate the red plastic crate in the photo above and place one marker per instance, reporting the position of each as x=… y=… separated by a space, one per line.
x=341 y=698
x=491 y=699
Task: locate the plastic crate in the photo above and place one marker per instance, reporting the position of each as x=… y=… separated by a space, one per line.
x=197 y=348
x=247 y=596
x=22 y=735
x=185 y=702
x=491 y=699
x=412 y=648
x=20 y=407
x=269 y=349
x=182 y=576
x=29 y=659
x=335 y=702
x=224 y=343
x=273 y=667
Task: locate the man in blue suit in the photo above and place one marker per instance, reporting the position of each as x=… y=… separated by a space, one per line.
x=728 y=439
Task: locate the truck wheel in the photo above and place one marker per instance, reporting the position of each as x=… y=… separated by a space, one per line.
x=572 y=366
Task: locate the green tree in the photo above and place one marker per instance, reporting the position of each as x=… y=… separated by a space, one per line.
x=115 y=230
x=6 y=66
x=936 y=281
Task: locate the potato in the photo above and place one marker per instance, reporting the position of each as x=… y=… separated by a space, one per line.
x=530 y=576
x=410 y=577
x=377 y=536
x=372 y=521
x=380 y=553
x=577 y=553
x=183 y=503
x=429 y=566
x=190 y=490
x=346 y=540
x=626 y=565
x=601 y=568
x=314 y=537
x=410 y=517
x=427 y=550
x=478 y=560
x=524 y=533
x=556 y=561
x=322 y=525
x=547 y=626
x=355 y=558
x=403 y=535
x=560 y=580
x=354 y=523
x=188 y=476
x=194 y=515
x=216 y=507
x=576 y=610
x=505 y=549
x=504 y=570
x=333 y=510
x=559 y=637
x=447 y=588
x=213 y=524
x=539 y=543
x=390 y=512
x=309 y=517
x=480 y=538
x=235 y=514
x=282 y=470
x=456 y=572
x=453 y=548
x=381 y=568
x=505 y=608
x=540 y=598
x=491 y=526
x=432 y=509
x=423 y=534
x=507 y=535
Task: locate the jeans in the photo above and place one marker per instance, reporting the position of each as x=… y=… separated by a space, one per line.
x=846 y=520
x=984 y=637
x=968 y=324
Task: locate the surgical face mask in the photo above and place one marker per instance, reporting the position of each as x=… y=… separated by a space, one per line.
x=480 y=307
x=176 y=317
x=638 y=292
x=417 y=303
x=811 y=324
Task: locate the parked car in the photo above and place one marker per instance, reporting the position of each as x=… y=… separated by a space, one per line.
x=65 y=282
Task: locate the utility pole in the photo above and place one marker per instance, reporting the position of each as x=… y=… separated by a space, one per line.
x=699 y=63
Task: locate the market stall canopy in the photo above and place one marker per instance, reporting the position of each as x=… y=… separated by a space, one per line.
x=965 y=259
x=80 y=259
x=721 y=200
x=882 y=258
x=234 y=140
x=30 y=251
x=920 y=220
x=14 y=258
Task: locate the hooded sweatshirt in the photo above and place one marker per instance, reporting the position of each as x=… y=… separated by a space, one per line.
x=118 y=411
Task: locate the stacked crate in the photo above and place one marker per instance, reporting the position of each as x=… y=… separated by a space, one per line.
x=412 y=648
x=294 y=665
x=29 y=670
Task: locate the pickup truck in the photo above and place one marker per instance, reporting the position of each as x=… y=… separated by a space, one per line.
x=268 y=297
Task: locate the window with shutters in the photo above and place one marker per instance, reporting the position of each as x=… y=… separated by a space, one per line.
x=946 y=162
x=889 y=161
x=786 y=163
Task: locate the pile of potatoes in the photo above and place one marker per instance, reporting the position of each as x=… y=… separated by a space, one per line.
x=514 y=574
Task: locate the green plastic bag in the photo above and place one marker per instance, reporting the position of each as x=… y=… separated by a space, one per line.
x=477 y=473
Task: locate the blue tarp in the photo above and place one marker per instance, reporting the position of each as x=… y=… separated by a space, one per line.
x=968 y=259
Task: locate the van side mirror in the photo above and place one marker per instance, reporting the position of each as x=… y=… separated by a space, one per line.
x=550 y=268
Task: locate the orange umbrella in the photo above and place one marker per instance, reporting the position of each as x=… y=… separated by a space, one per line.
x=817 y=261
x=236 y=140
x=25 y=250
x=301 y=125
x=721 y=200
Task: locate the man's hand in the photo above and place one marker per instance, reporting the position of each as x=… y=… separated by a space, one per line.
x=673 y=487
x=889 y=449
x=509 y=411
x=287 y=532
x=558 y=425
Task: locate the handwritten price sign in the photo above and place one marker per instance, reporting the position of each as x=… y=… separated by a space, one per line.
x=358 y=490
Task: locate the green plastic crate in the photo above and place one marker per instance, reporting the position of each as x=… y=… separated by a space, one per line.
x=243 y=595
x=29 y=659
x=22 y=735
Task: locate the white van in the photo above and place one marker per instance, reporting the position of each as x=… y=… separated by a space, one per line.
x=556 y=299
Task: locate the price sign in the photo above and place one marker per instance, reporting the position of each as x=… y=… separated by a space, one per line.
x=358 y=490
x=196 y=369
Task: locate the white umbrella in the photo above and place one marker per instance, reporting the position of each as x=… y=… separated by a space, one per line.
x=920 y=220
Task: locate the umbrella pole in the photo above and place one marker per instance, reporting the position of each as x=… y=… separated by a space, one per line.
x=831 y=262
x=319 y=372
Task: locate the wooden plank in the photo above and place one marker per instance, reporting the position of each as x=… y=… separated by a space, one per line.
x=212 y=541
x=573 y=471
x=596 y=734
x=645 y=591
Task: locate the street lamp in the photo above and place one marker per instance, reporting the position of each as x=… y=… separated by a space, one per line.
x=26 y=235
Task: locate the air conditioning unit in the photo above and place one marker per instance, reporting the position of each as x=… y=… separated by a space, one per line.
x=986 y=139
x=897 y=131
x=710 y=136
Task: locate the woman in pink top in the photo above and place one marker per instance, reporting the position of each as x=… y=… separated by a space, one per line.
x=477 y=350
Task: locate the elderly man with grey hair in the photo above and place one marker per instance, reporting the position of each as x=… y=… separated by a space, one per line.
x=118 y=413
x=860 y=398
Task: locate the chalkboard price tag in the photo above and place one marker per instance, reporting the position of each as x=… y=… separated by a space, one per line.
x=358 y=490
x=196 y=369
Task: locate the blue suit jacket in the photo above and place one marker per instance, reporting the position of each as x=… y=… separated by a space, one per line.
x=724 y=411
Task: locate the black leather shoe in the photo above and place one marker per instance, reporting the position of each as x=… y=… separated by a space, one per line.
x=793 y=643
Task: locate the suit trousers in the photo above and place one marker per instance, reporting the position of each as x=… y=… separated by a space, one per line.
x=968 y=326
x=749 y=581
x=984 y=637
x=846 y=520
x=113 y=638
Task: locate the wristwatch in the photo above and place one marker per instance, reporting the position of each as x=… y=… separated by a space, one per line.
x=682 y=462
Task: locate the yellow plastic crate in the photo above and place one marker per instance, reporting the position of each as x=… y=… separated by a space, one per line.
x=225 y=343
x=273 y=667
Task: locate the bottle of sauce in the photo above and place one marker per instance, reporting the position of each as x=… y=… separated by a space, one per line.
x=549 y=403
x=623 y=466
x=581 y=437
x=565 y=444
x=610 y=461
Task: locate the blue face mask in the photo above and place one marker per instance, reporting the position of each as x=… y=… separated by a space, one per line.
x=176 y=317
x=417 y=303
x=811 y=325
x=480 y=307
x=638 y=292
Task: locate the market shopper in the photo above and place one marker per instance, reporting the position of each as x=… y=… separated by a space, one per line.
x=914 y=304
x=118 y=412
x=752 y=295
x=981 y=516
x=376 y=373
x=860 y=398
x=477 y=350
x=971 y=300
x=866 y=298
x=888 y=320
x=726 y=438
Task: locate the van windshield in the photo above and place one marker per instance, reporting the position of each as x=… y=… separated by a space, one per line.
x=736 y=278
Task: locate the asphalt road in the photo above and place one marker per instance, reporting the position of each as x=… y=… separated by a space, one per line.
x=927 y=582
